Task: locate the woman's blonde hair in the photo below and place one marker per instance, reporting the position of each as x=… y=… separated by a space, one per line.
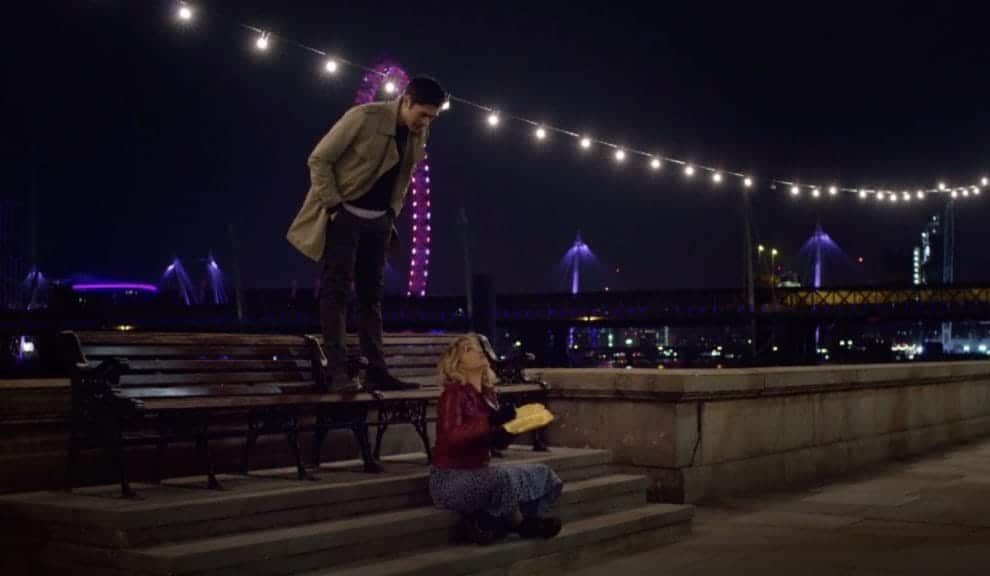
x=450 y=368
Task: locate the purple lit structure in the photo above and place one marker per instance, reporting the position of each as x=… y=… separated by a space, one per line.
x=115 y=287
x=177 y=273
x=216 y=281
x=373 y=87
x=817 y=247
x=572 y=262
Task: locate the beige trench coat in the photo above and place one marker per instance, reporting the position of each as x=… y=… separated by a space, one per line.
x=359 y=148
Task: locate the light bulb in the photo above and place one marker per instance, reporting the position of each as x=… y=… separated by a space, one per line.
x=331 y=66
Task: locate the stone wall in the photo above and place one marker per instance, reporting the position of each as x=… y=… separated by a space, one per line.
x=707 y=433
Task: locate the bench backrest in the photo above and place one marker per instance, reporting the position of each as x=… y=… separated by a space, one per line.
x=172 y=365
x=164 y=365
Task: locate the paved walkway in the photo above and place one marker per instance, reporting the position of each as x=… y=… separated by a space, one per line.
x=928 y=516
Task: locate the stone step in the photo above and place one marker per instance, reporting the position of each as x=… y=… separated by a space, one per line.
x=581 y=543
x=182 y=509
x=322 y=544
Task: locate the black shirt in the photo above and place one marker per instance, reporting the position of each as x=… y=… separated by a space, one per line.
x=379 y=197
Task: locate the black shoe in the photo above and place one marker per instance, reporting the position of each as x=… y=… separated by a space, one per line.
x=375 y=380
x=340 y=382
x=533 y=527
x=483 y=528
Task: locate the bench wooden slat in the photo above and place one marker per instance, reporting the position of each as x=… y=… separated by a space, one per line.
x=251 y=365
x=200 y=391
x=137 y=380
x=189 y=339
x=193 y=352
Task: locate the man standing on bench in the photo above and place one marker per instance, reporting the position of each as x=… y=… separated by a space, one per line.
x=359 y=175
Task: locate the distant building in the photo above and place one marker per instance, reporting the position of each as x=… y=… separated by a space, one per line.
x=928 y=265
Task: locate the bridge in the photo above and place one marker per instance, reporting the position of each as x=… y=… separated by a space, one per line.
x=712 y=307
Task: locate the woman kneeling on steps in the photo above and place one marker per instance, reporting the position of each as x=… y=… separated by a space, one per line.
x=493 y=499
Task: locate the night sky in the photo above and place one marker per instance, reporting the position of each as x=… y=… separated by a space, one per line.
x=150 y=138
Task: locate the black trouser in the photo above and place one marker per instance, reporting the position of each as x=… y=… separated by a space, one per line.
x=354 y=252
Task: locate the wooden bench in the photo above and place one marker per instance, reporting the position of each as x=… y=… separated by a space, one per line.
x=133 y=388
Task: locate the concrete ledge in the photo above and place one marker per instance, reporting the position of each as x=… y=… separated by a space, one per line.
x=706 y=433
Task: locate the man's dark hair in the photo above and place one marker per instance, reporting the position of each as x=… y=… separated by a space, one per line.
x=425 y=90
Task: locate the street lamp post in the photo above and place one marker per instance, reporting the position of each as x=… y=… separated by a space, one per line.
x=773 y=274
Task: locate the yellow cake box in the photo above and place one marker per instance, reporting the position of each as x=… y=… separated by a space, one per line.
x=529 y=417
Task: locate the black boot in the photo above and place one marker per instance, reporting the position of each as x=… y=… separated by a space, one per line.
x=342 y=383
x=376 y=379
x=483 y=528
x=533 y=527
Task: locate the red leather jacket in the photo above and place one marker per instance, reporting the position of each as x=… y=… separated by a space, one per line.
x=462 y=428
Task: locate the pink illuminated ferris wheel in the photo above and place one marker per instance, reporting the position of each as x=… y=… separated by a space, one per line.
x=387 y=81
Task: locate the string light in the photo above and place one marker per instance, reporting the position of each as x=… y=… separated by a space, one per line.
x=879 y=196
x=920 y=194
x=262 y=43
x=185 y=12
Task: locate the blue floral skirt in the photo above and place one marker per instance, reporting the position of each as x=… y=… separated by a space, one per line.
x=498 y=490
